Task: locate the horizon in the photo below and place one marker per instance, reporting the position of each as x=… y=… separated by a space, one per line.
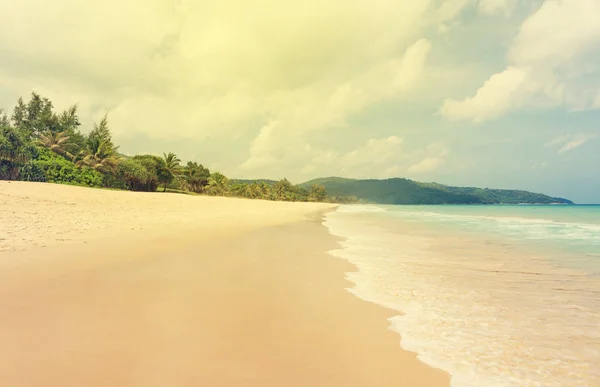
x=488 y=93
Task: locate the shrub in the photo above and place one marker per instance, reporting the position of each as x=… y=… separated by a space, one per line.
x=32 y=172
x=57 y=169
x=135 y=176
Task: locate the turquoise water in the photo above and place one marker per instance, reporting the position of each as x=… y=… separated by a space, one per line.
x=495 y=295
x=573 y=230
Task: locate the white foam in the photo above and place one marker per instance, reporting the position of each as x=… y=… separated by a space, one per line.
x=494 y=320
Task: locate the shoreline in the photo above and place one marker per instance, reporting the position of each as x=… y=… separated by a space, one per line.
x=259 y=304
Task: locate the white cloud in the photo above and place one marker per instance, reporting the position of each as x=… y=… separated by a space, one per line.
x=569 y=142
x=494 y=98
x=184 y=68
x=576 y=142
x=327 y=105
x=375 y=152
x=492 y=7
x=436 y=156
x=546 y=57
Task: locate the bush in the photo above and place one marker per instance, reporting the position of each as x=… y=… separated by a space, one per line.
x=57 y=169
x=32 y=172
x=134 y=175
x=144 y=173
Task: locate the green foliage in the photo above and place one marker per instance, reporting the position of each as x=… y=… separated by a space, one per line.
x=218 y=185
x=32 y=172
x=195 y=177
x=317 y=193
x=101 y=135
x=4 y=120
x=281 y=190
x=15 y=151
x=99 y=155
x=134 y=175
x=172 y=164
x=144 y=173
x=58 y=169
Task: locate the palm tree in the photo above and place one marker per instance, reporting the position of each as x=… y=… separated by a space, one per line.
x=100 y=156
x=172 y=163
x=195 y=177
x=218 y=184
x=56 y=142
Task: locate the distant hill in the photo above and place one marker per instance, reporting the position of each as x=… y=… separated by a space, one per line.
x=404 y=191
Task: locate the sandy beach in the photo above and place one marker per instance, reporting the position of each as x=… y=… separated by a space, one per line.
x=106 y=288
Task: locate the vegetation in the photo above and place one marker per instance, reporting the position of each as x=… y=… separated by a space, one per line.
x=404 y=191
x=38 y=144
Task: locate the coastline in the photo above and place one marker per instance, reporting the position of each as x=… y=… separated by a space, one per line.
x=254 y=302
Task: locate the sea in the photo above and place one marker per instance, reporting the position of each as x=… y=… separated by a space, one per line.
x=505 y=295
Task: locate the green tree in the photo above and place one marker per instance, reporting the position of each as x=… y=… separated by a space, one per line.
x=317 y=193
x=4 y=120
x=56 y=142
x=99 y=156
x=173 y=166
x=35 y=117
x=100 y=153
x=133 y=174
x=158 y=174
x=101 y=134
x=283 y=190
x=195 y=177
x=15 y=151
x=218 y=184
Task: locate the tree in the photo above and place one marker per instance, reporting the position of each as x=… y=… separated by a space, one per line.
x=100 y=156
x=100 y=153
x=68 y=120
x=134 y=174
x=15 y=151
x=195 y=177
x=282 y=190
x=35 y=117
x=101 y=133
x=317 y=193
x=157 y=172
x=56 y=143
x=218 y=184
x=172 y=164
x=4 y=121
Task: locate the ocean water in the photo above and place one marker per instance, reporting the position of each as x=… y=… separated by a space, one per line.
x=494 y=295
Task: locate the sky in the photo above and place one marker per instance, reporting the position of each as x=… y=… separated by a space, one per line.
x=488 y=93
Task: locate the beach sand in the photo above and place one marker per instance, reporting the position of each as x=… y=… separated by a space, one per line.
x=166 y=290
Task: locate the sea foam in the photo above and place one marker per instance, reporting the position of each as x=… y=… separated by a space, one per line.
x=485 y=310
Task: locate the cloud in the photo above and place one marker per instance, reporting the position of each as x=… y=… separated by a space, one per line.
x=552 y=62
x=569 y=142
x=494 y=98
x=492 y=7
x=183 y=68
x=328 y=105
x=375 y=152
x=437 y=153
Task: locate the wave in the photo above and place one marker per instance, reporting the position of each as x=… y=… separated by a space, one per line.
x=524 y=227
x=487 y=315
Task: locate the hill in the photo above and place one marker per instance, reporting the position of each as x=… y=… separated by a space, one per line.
x=404 y=191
